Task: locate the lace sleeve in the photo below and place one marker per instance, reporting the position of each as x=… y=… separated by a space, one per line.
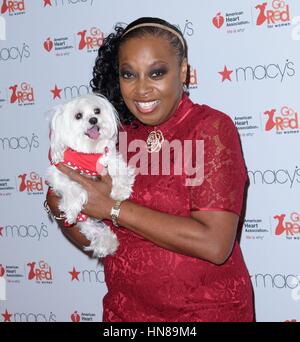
x=224 y=167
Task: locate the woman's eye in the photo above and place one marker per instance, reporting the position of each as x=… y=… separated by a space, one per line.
x=158 y=73
x=78 y=116
x=127 y=74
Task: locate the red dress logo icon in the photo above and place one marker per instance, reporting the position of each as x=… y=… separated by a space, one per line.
x=218 y=20
x=270 y=124
x=31 y=274
x=4 y=7
x=262 y=16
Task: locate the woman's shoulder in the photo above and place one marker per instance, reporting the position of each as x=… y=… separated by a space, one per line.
x=205 y=117
x=214 y=127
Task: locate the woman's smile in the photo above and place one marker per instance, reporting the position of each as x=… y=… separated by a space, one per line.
x=147 y=107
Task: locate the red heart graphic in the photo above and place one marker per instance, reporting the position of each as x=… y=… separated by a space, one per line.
x=218 y=20
x=48 y=44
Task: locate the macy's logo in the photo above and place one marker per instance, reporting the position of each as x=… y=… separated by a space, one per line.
x=259 y=72
x=279 y=13
x=91 y=276
x=33 y=185
x=278 y=281
x=40 y=271
x=290 y=228
x=286 y=119
x=69 y=92
x=92 y=40
x=27 y=317
x=57 y=3
x=13 y=7
x=23 y=231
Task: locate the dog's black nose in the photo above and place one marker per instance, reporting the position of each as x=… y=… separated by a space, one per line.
x=93 y=121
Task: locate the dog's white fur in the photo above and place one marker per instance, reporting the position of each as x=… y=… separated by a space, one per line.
x=69 y=132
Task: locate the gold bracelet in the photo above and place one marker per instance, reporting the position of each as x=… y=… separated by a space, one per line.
x=115 y=212
x=61 y=216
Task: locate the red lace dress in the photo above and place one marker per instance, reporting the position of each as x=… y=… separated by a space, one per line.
x=149 y=283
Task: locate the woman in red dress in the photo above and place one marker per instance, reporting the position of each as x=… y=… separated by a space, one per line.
x=178 y=258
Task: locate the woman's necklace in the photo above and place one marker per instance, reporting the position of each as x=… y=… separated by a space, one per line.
x=155 y=140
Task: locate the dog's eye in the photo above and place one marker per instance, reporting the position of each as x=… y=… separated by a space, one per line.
x=78 y=116
x=97 y=110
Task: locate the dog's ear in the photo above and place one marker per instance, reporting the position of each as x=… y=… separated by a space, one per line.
x=114 y=118
x=56 y=135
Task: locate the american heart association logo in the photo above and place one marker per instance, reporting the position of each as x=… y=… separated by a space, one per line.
x=218 y=20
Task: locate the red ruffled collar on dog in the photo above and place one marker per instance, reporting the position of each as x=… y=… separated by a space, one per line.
x=87 y=163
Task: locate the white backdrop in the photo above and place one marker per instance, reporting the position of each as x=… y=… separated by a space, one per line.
x=245 y=58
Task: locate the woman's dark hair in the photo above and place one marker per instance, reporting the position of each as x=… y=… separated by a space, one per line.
x=106 y=70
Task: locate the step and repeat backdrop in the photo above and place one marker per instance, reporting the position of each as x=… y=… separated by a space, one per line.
x=245 y=61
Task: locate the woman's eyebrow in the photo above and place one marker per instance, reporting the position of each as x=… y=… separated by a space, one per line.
x=159 y=61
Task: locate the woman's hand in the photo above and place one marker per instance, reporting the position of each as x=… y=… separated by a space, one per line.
x=99 y=202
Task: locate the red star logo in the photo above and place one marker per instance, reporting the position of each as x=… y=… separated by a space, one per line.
x=56 y=92
x=74 y=274
x=47 y=2
x=6 y=316
x=226 y=74
x=1 y=230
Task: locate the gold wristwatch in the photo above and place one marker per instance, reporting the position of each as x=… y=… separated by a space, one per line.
x=115 y=212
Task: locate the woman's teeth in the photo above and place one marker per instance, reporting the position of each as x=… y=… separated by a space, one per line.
x=146 y=107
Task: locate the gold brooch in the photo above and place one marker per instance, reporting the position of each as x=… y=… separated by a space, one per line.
x=154 y=141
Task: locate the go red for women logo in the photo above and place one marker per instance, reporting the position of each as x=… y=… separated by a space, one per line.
x=285 y=120
x=90 y=39
x=13 y=7
x=22 y=94
x=41 y=272
x=276 y=13
x=31 y=183
x=289 y=225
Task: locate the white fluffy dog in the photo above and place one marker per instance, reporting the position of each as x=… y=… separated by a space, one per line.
x=83 y=136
